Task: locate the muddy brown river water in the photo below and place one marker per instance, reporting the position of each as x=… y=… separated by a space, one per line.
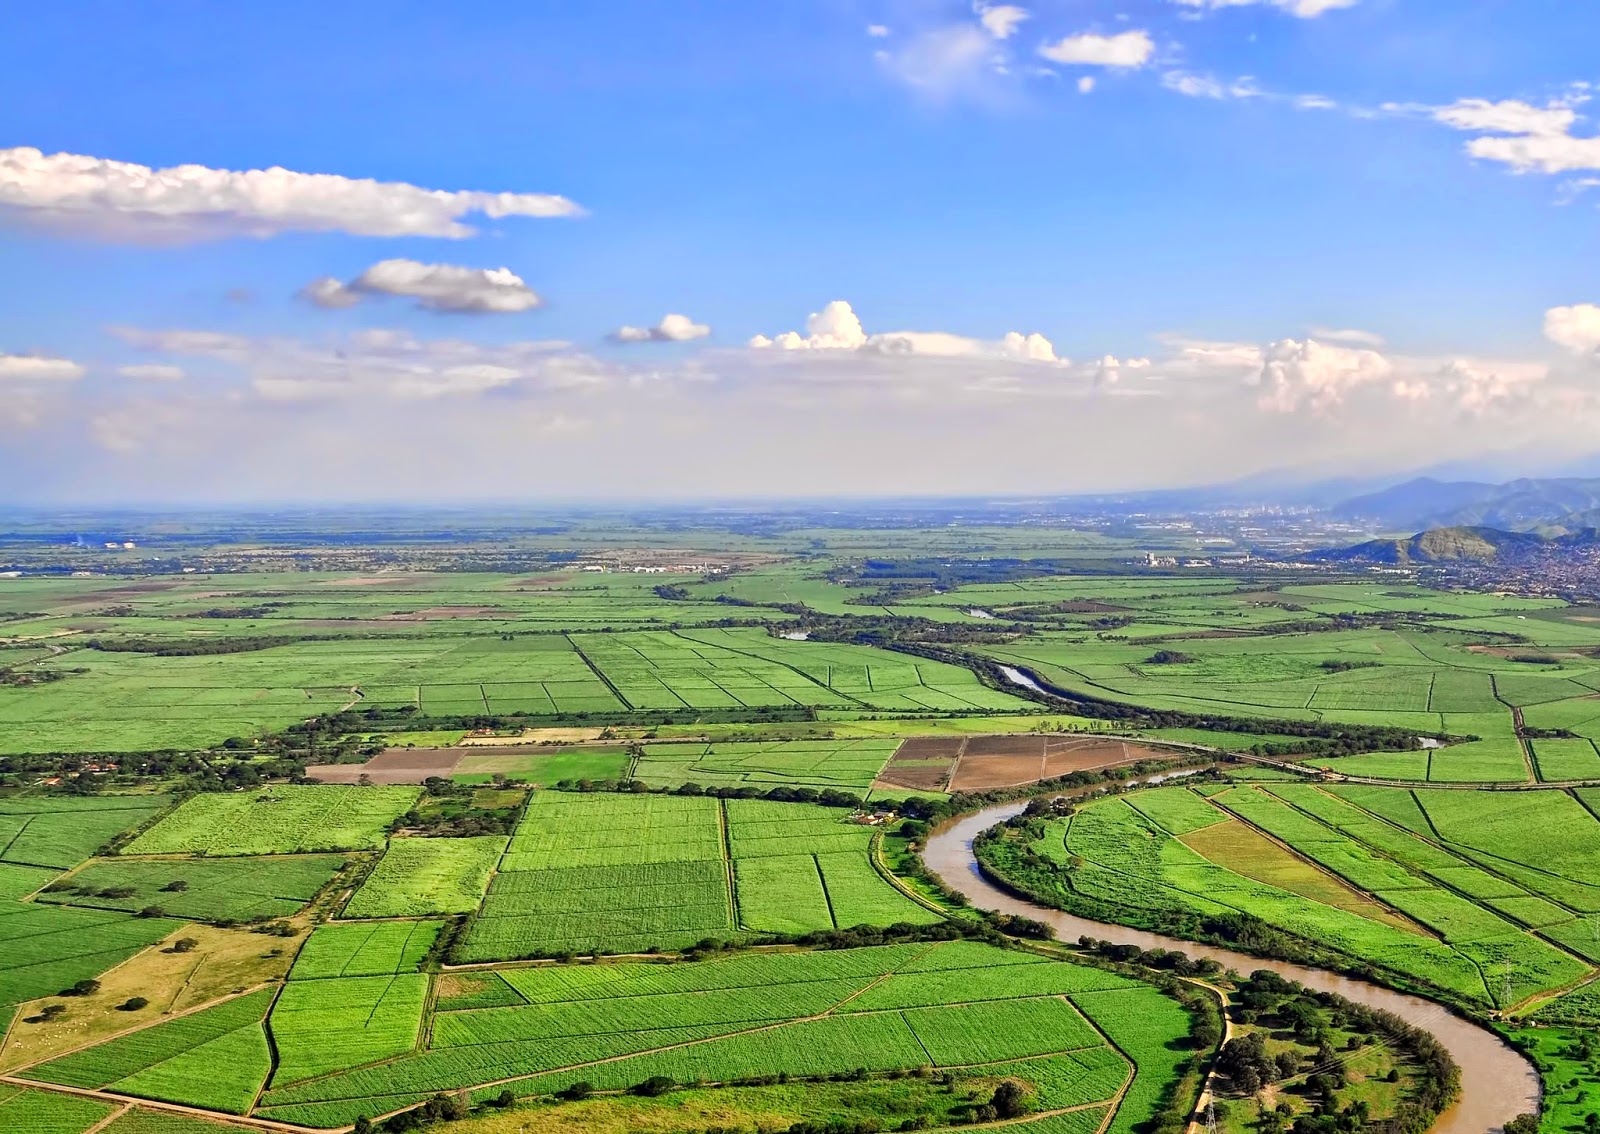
x=1497 y=1084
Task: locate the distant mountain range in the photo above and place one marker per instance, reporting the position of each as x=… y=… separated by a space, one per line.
x=1457 y=545
x=1553 y=507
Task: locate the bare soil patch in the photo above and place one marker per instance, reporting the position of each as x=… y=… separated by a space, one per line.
x=1010 y=761
x=922 y=763
x=393 y=766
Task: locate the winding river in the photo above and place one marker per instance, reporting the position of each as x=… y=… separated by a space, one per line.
x=1497 y=1084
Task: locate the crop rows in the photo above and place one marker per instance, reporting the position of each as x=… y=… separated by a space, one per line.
x=378 y=948
x=320 y=1026
x=278 y=820
x=234 y=889
x=428 y=876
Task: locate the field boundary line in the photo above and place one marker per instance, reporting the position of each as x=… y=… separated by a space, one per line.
x=725 y=845
x=1300 y=856
x=594 y=669
x=15 y=1074
x=809 y=680
x=178 y=1108
x=109 y=1119
x=827 y=898
x=272 y=1045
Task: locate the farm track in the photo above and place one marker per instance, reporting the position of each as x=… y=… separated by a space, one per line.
x=213 y=1116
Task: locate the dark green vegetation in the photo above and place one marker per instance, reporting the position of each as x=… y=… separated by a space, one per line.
x=1316 y=1062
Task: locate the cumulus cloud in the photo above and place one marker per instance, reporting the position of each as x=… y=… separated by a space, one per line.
x=1125 y=50
x=1000 y=20
x=101 y=197
x=671 y=329
x=1305 y=9
x=152 y=372
x=1525 y=137
x=1306 y=374
x=837 y=328
x=1577 y=327
x=38 y=368
x=1108 y=369
x=436 y=287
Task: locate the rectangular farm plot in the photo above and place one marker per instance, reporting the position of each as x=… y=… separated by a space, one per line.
x=428 y=876
x=232 y=889
x=320 y=1026
x=281 y=819
x=606 y=872
x=848 y=765
x=62 y=832
x=1560 y=761
x=370 y=948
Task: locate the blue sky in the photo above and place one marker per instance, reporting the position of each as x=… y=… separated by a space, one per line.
x=1249 y=232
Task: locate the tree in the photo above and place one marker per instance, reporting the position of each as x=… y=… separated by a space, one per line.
x=363 y=1125
x=573 y=1092
x=1008 y=1100
x=1523 y=1124
x=654 y=1086
x=184 y=945
x=176 y=886
x=132 y=1004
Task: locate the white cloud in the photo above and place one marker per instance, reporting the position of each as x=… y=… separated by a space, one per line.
x=437 y=287
x=671 y=329
x=1525 y=137
x=1086 y=84
x=1509 y=117
x=1125 y=49
x=944 y=61
x=1297 y=375
x=1206 y=86
x=383 y=363
x=1000 y=20
x=115 y=199
x=1305 y=9
x=877 y=31
x=837 y=328
x=1108 y=369
x=38 y=368
x=1577 y=327
x=152 y=372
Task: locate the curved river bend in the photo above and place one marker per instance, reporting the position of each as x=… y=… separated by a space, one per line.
x=1497 y=1084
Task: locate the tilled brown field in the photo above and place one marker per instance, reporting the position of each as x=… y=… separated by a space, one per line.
x=922 y=762
x=1009 y=761
x=393 y=766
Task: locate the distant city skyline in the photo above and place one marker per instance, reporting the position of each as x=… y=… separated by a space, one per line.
x=866 y=248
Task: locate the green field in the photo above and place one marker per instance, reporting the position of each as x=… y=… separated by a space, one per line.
x=368 y=948
x=846 y=765
x=749 y=1015
x=233 y=889
x=1474 y=917
x=622 y=873
x=281 y=819
x=215 y=1059
x=428 y=876
x=61 y=831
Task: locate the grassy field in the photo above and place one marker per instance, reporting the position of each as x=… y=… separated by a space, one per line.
x=846 y=765
x=281 y=819
x=61 y=831
x=749 y=1015
x=45 y=1112
x=255 y=888
x=1567 y=1065
x=428 y=876
x=373 y=948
